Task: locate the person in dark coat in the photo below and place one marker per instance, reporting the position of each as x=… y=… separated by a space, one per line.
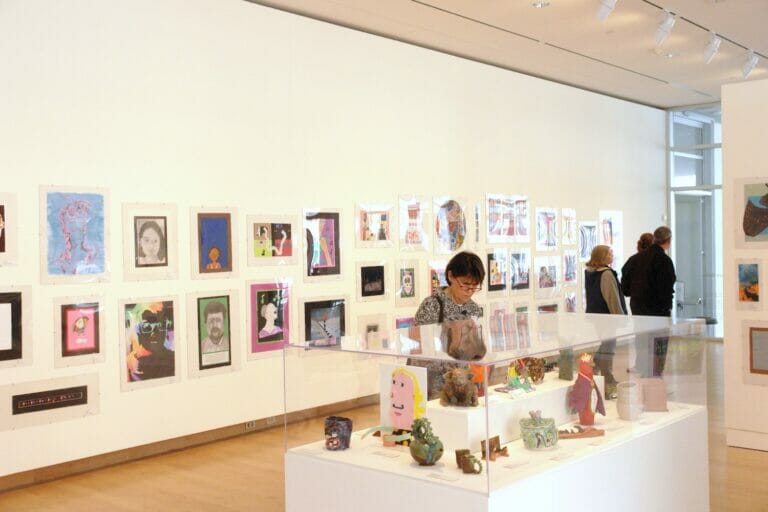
x=651 y=290
x=644 y=242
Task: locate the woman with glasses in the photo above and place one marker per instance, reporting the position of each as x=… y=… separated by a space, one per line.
x=465 y=274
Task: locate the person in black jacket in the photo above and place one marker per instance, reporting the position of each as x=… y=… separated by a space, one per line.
x=603 y=296
x=644 y=242
x=651 y=289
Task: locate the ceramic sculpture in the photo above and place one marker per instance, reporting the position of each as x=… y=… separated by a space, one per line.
x=585 y=396
x=426 y=448
x=538 y=433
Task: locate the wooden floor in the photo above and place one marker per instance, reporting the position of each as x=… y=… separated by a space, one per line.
x=246 y=473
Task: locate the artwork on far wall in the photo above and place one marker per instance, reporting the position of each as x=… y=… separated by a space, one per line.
x=373 y=225
x=547 y=272
x=570 y=302
x=73 y=235
x=150 y=241
x=752 y=213
x=497 y=268
x=271 y=240
x=748 y=273
x=758 y=350
x=323 y=258
x=498 y=314
x=520 y=270
x=149 y=336
x=325 y=321
x=587 y=239
x=437 y=277
x=408 y=287
x=9 y=228
x=216 y=250
x=414 y=218
x=546 y=229
x=13 y=334
x=611 y=233
x=214 y=333
x=500 y=219
x=450 y=224
x=269 y=315
x=570 y=227
x=79 y=328
x=371 y=281
x=43 y=402
x=570 y=266
x=373 y=332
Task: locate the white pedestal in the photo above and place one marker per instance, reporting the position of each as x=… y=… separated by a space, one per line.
x=658 y=463
x=465 y=427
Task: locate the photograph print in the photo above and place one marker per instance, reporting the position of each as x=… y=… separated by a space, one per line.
x=270 y=240
x=322 y=231
x=324 y=321
x=269 y=315
x=73 y=235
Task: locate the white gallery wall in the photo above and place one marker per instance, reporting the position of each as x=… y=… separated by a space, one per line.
x=223 y=103
x=745 y=156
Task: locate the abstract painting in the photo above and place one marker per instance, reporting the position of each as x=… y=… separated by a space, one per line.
x=749 y=284
x=570 y=226
x=371 y=282
x=497 y=271
x=520 y=270
x=149 y=339
x=500 y=219
x=450 y=224
x=324 y=321
x=373 y=225
x=413 y=215
x=587 y=239
x=270 y=240
x=322 y=230
x=752 y=212
x=546 y=229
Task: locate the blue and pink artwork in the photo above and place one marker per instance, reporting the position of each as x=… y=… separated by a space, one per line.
x=76 y=236
x=214 y=233
x=323 y=254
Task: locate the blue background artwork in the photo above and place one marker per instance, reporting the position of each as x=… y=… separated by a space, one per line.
x=75 y=233
x=214 y=231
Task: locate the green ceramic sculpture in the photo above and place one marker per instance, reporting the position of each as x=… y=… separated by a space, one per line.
x=426 y=448
x=538 y=433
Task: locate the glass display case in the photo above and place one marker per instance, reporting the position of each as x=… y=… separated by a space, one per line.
x=543 y=409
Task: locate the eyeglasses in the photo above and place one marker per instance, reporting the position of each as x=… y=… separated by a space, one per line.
x=150 y=327
x=469 y=287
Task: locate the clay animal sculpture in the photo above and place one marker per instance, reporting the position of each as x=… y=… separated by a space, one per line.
x=426 y=448
x=458 y=388
x=535 y=367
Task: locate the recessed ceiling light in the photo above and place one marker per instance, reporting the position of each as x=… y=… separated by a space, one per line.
x=540 y=5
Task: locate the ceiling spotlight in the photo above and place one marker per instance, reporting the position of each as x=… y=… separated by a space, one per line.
x=605 y=9
x=712 y=46
x=749 y=64
x=665 y=27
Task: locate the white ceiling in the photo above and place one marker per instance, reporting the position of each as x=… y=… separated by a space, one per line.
x=567 y=43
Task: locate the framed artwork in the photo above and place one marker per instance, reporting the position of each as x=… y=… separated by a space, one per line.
x=611 y=232
x=46 y=401
x=414 y=218
x=213 y=343
x=570 y=227
x=148 y=335
x=547 y=269
x=570 y=302
x=752 y=210
x=408 y=279
x=522 y=327
x=371 y=281
x=405 y=321
x=437 y=277
x=322 y=230
x=269 y=315
x=500 y=218
x=497 y=272
x=9 y=227
x=587 y=240
x=749 y=285
x=13 y=331
x=79 y=331
x=150 y=241
x=372 y=332
x=758 y=350
x=520 y=270
x=74 y=235
x=271 y=240
x=498 y=313
x=547 y=308
x=373 y=225
x=325 y=321
x=570 y=268
x=216 y=251
x=450 y=224
x=546 y=229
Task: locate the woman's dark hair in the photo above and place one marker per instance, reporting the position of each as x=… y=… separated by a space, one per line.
x=150 y=224
x=645 y=241
x=466 y=264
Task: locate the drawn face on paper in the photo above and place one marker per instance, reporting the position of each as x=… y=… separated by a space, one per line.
x=401 y=400
x=407 y=280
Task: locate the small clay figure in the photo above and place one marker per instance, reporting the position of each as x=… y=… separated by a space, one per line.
x=535 y=367
x=458 y=388
x=495 y=449
x=585 y=396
